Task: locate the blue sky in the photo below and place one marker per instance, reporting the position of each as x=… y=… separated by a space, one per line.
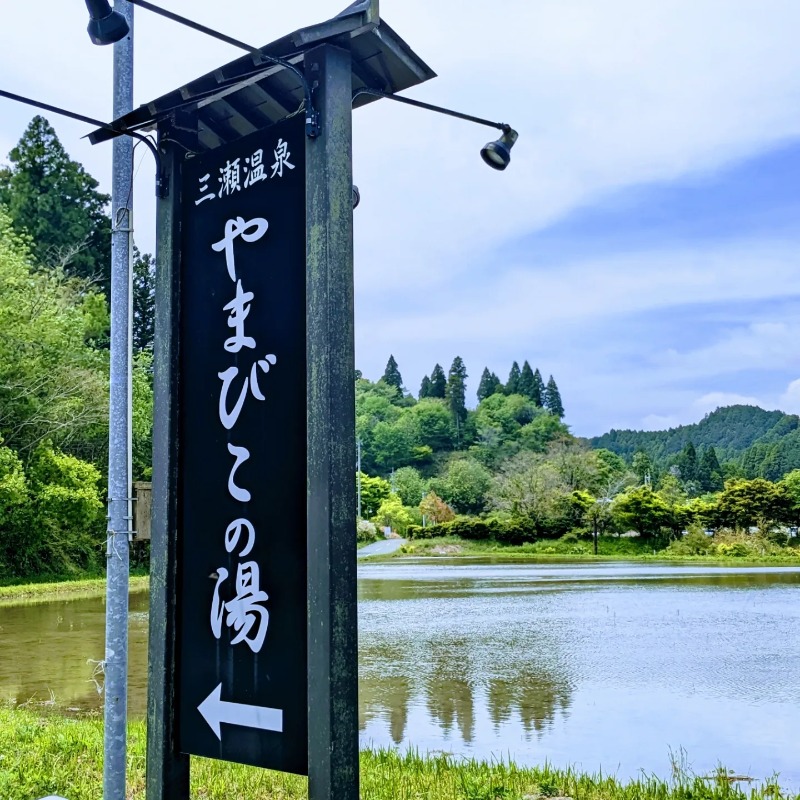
x=643 y=244
x=646 y=349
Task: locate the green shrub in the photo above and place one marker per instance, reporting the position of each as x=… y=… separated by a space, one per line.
x=694 y=543
x=394 y=514
x=418 y=532
x=734 y=550
x=469 y=528
x=475 y=529
x=513 y=533
x=67 y=512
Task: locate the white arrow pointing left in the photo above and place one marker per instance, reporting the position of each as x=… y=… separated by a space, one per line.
x=215 y=711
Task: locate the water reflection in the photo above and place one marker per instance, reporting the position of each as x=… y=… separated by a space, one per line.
x=601 y=665
x=604 y=665
x=462 y=650
x=51 y=651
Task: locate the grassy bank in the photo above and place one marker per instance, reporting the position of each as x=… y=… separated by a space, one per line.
x=609 y=548
x=53 y=589
x=51 y=754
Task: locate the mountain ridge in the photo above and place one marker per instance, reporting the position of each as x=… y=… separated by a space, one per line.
x=755 y=442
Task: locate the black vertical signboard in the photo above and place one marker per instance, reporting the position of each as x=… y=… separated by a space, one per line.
x=241 y=605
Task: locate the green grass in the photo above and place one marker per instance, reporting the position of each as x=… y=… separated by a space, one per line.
x=40 y=755
x=53 y=589
x=609 y=548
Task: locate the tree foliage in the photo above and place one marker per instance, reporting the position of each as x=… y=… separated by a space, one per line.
x=409 y=486
x=489 y=384
x=435 y=510
x=464 y=485
x=552 y=399
x=374 y=491
x=438 y=383
x=457 y=389
x=425 y=387
x=144 y=300
x=53 y=381
x=512 y=384
x=392 y=376
x=54 y=200
x=747 y=441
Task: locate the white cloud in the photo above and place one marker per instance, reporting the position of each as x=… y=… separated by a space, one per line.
x=523 y=302
x=790 y=399
x=714 y=400
x=604 y=95
x=760 y=345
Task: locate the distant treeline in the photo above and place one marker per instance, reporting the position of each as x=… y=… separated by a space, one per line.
x=747 y=442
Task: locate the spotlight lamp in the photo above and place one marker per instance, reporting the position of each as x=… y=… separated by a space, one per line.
x=497 y=154
x=105 y=25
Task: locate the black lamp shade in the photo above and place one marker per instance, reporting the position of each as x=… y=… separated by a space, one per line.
x=105 y=26
x=498 y=154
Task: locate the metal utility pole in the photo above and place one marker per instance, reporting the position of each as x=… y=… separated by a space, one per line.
x=119 y=478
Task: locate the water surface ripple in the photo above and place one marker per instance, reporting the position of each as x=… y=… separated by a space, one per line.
x=608 y=665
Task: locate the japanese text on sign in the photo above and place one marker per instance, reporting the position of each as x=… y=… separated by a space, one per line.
x=245 y=612
x=234 y=175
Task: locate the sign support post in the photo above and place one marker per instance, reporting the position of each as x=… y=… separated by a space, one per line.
x=253 y=611
x=332 y=621
x=167 y=769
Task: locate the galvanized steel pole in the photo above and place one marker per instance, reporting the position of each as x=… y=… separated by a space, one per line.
x=119 y=478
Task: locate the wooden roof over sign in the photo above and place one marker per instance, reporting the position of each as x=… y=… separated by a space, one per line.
x=251 y=93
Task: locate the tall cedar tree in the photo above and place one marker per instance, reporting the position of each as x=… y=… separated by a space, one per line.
x=144 y=300
x=687 y=462
x=457 y=389
x=392 y=376
x=487 y=386
x=425 y=387
x=527 y=383
x=438 y=382
x=538 y=388
x=56 y=201
x=512 y=384
x=709 y=471
x=552 y=399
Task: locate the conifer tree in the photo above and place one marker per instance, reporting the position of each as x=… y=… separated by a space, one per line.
x=438 y=382
x=56 y=201
x=552 y=399
x=144 y=300
x=391 y=375
x=687 y=463
x=497 y=384
x=425 y=387
x=487 y=385
x=709 y=471
x=457 y=390
x=527 y=383
x=512 y=385
x=538 y=388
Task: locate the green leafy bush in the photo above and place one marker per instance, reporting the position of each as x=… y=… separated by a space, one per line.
x=470 y=528
x=476 y=529
x=67 y=511
x=394 y=514
x=694 y=543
